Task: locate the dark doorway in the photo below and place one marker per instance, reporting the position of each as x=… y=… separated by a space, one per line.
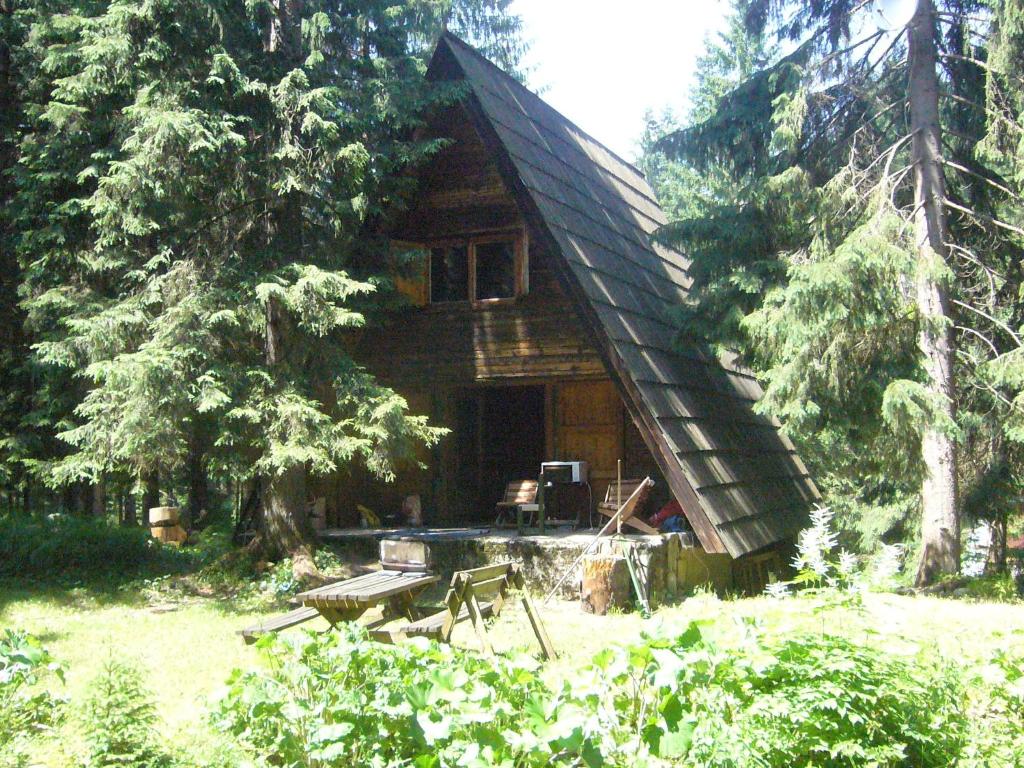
x=500 y=438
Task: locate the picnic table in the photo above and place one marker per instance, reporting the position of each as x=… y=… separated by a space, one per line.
x=348 y=600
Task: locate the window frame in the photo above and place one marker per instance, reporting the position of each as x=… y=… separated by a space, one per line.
x=520 y=266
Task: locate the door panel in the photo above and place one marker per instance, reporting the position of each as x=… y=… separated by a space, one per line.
x=589 y=424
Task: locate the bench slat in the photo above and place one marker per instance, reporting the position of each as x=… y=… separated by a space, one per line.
x=432 y=624
x=290 y=619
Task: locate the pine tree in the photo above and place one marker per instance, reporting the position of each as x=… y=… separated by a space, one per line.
x=869 y=220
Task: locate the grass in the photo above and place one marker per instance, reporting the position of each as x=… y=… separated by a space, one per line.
x=188 y=647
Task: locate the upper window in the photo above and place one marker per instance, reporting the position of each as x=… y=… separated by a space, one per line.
x=449 y=273
x=496 y=270
x=479 y=269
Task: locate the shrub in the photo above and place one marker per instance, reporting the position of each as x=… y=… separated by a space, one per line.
x=998 y=588
x=997 y=712
x=118 y=719
x=811 y=700
x=25 y=710
x=340 y=699
x=808 y=701
x=63 y=548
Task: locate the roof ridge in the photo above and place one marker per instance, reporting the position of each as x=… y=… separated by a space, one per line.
x=452 y=37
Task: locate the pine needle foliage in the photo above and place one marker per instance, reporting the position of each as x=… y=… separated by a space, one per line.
x=178 y=177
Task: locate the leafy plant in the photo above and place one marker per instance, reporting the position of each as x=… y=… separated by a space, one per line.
x=340 y=699
x=118 y=720
x=25 y=710
x=997 y=711
x=838 y=575
x=809 y=700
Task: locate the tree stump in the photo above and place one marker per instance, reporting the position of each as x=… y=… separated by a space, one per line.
x=605 y=584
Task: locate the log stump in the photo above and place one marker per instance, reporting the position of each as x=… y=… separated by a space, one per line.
x=159 y=516
x=165 y=526
x=605 y=584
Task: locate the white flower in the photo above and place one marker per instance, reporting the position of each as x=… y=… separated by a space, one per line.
x=777 y=589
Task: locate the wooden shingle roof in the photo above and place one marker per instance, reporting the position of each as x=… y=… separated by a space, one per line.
x=737 y=478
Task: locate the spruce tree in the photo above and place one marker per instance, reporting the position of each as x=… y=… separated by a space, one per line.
x=868 y=218
x=196 y=199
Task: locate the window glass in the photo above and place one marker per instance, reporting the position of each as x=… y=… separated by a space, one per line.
x=449 y=273
x=495 y=270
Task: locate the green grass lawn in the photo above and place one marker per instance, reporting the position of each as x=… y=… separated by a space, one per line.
x=188 y=648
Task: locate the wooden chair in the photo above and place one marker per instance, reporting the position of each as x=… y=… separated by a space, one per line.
x=520 y=499
x=474 y=595
x=633 y=494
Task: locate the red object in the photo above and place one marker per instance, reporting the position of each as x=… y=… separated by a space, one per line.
x=669 y=510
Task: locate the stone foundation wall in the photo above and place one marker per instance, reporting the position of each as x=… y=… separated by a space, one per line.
x=670 y=567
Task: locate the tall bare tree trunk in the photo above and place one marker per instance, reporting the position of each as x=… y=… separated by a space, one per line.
x=198 y=477
x=130 y=514
x=940 y=520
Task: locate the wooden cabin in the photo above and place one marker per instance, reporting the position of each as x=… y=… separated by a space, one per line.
x=540 y=330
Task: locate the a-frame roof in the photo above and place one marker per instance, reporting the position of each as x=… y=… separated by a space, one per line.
x=737 y=478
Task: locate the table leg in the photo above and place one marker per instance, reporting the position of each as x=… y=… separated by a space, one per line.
x=404 y=604
x=336 y=615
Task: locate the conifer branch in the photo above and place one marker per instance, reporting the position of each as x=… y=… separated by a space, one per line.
x=983 y=64
x=975 y=332
x=984 y=217
x=963 y=169
x=995 y=321
x=981 y=107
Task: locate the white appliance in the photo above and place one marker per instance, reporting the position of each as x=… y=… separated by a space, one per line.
x=576 y=472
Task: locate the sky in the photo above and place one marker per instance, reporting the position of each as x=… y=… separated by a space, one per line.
x=603 y=68
x=604 y=63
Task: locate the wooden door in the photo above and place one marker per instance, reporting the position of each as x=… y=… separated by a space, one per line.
x=589 y=420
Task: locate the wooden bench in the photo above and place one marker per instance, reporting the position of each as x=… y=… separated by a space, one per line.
x=276 y=624
x=633 y=492
x=520 y=497
x=475 y=594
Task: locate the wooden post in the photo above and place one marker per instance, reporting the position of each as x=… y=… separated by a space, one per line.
x=618 y=493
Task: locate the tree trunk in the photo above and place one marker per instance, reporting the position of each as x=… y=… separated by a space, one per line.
x=940 y=519
x=198 y=480
x=605 y=584
x=130 y=516
x=284 y=528
x=99 y=499
x=996 y=561
x=284 y=525
x=150 y=495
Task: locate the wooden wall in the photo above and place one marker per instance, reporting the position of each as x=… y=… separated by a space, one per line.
x=536 y=337
x=460 y=191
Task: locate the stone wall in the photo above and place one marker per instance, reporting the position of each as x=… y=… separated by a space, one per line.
x=670 y=566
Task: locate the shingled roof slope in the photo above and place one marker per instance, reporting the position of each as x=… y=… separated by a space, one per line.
x=738 y=479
